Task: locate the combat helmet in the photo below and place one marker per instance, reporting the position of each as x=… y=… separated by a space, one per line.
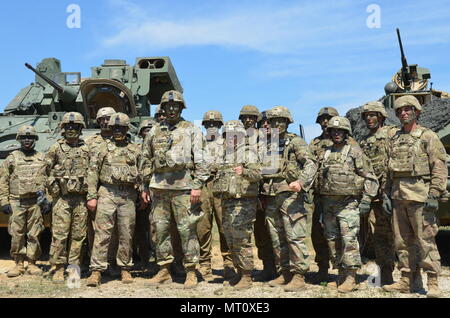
x=330 y=111
x=213 y=115
x=105 y=112
x=250 y=110
x=338 y=122
x=73 y=117
x=119 y=119
x=174 y=96
x=27 y=131
x=147 y=123
x=407 y=100
x=377 y=107
x=280 y=112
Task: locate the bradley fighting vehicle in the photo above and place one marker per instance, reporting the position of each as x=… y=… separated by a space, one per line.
x=42 y=104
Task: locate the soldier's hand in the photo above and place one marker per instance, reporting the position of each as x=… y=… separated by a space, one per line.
x=7 y=209
x=295 y=186
x=431 y=203
x=239 y=170
x=41 y=199
x=46 y=208
x=364 y=208
x=195 y=196
x=145 y=195
x=387 y=205
x=92 y=204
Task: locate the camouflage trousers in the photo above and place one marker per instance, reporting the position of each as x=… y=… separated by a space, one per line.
x=212 y=209
x=116 y=207
x=262 y=236
x=286 y=221
x=238 y=218
x=383 y=238
x=415 y=229
x=176 y=204
x=318 y=239
x=113 y=245
x=69 y=227
x=342 y=221
x=25 y=226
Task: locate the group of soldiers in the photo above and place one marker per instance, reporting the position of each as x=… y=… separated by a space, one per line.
x=251 y=176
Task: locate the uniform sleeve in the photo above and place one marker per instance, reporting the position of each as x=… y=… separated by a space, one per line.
x=50 y=159
x=253 y=167
x=307 y=164
x=4 y=181
x=438 y=166
x=146 y=162
x=200 y=172
x=363 y=168
x=93 y=173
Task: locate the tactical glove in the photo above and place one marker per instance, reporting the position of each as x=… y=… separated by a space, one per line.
x=46 y=208
x=387 y=205
x=41 y=199
x=364 y=208
x=431 y=203
x=7 y=209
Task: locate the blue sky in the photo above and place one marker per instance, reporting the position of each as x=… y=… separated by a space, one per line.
x=300 y=54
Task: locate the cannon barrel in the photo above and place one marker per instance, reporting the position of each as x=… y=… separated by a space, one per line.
x=45 y=78
x=406 y=76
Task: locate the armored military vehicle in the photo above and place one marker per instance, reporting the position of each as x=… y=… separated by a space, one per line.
x=42 y=104
x=414 y=80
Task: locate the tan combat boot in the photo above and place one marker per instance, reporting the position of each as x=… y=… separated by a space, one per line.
x=433 y=286
x=228 y=272
x=339 y=280
x=386 y=275
x=350 y=282
x=401 y=286
x=95 y=279
x=126 y=277
x=191 y=279
x=283 y=279
x=58 y=276
x=205 y=271
x=297 y=282
x=18 y=269
x=245 y=282
x=162 y=277
x=32 y=269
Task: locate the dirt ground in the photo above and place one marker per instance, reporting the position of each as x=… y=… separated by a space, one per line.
x=42 y=287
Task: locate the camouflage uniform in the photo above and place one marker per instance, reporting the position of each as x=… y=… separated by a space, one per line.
x=344 y=176
x=239 y=197
x=211 y=204
x=113 y=178
x=375 y=148
x=21 y=176
x=171 y=168
x=67 y=184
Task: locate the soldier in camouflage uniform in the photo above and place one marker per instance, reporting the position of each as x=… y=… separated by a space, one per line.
x=22 y=194
x=159 y=114
x=67 y=162
x=173 y=168
x=417 y=178
x=317 y=147
x=211 y=204
x=250 y=116
x=142 y=239
x=95 y=143
x=236 y=181
x=374 y=146
x=344 y=175
x=285 y=210
x=113 y=180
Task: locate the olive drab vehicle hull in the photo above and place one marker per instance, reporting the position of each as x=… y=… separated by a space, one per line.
x=42 y=104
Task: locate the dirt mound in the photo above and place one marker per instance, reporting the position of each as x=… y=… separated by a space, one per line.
x=435 y=115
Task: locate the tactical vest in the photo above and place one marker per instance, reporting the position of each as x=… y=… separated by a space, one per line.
x=337 y=174
x=408 y=156
x=282 y=155
x=168 y=150
x=23 y=180
x=120 y=165
x=374 y=147
x=229 y=185
x=70 y=170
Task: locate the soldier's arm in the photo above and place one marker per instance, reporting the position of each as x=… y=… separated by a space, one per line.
x=146 y=162
x=364 y=169
x=438 y=166
x=306 y=160
x=50 y=159
x=93 y=173
x=200 y=171
x=4 y=181
x=42 y=174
